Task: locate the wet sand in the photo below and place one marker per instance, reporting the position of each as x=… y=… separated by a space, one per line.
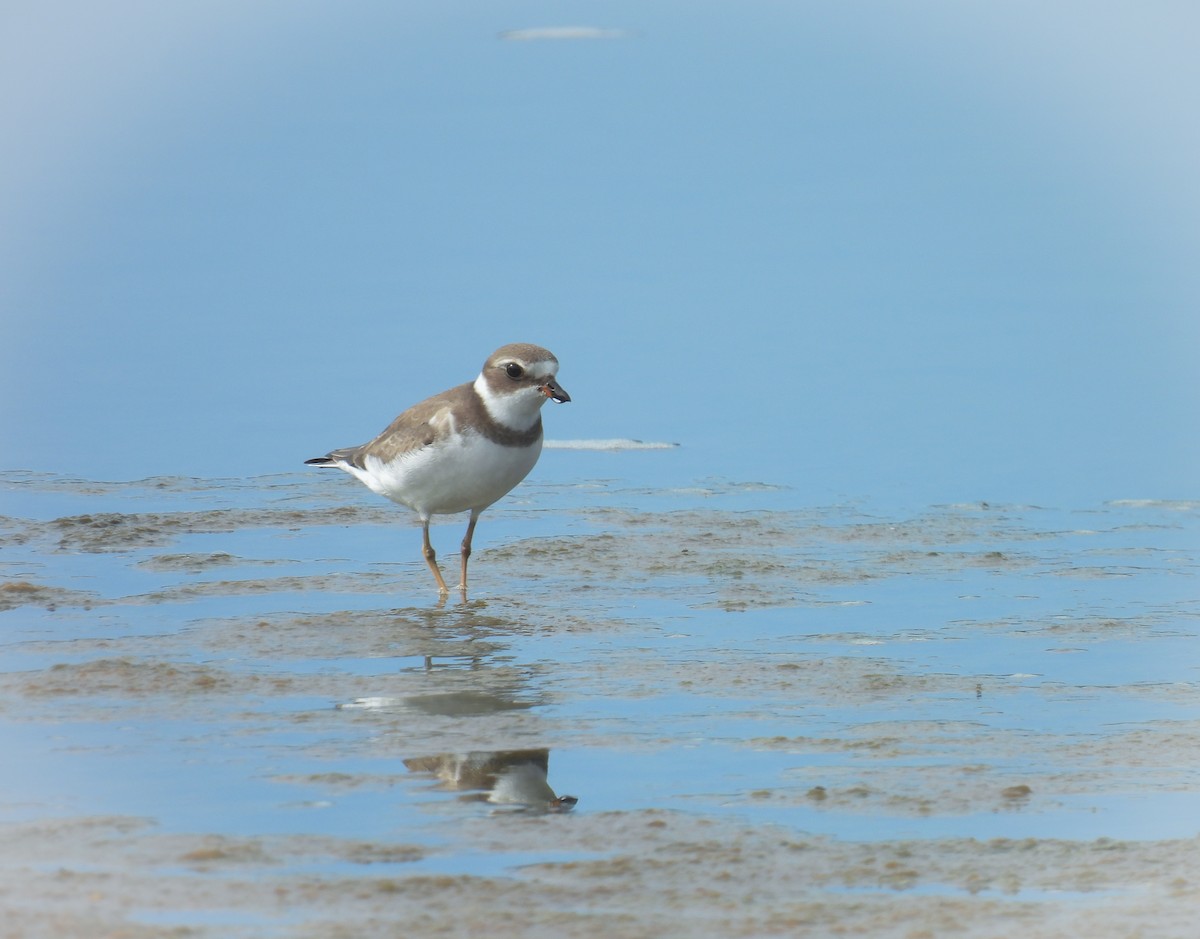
x=237 y=709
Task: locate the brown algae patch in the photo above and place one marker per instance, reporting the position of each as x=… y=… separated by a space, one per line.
x=634 y=873
x=123 y=678
x=124 y=531
x=17 y=593
x=722 y=878
x=917 y=770
x=214 y=852
x=745 y=560
x=347 y=583
x=195 y=563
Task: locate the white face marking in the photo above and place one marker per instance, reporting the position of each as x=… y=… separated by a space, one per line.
x=515 y=405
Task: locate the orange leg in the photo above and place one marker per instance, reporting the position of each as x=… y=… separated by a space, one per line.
x=431 y=557
x=466 y=549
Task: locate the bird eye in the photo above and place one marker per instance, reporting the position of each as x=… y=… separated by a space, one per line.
x=513 y=370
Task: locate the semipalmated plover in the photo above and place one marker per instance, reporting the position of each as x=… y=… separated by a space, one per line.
x=463 y=449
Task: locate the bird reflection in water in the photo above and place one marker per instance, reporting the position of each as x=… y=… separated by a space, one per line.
x=513 y=778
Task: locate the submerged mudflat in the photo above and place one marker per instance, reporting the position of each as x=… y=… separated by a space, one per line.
x=236 y=708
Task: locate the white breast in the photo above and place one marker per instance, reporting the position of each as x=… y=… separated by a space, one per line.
x=458 y=474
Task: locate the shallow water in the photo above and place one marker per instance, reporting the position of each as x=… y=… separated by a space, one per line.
x=235 y=707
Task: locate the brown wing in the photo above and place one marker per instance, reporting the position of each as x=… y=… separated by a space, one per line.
x=420 y=426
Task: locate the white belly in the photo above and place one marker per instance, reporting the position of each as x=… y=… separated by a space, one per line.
x=456 y=475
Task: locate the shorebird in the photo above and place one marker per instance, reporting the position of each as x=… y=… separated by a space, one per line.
x=463 y=449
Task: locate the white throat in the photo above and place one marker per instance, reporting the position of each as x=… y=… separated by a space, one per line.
x=517 y=409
